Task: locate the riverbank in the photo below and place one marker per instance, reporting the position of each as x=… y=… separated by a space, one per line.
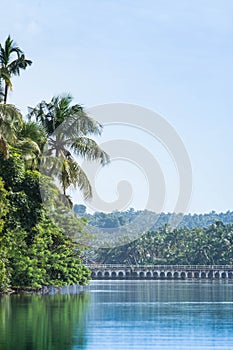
x=46 y=290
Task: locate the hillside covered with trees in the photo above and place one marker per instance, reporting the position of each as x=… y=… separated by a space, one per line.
x=122 y=218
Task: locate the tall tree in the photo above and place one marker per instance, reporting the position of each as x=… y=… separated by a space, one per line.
x=12 y=60
x=68 y=128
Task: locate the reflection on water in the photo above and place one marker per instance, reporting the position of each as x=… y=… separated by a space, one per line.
x=43 y=322
x=122 y=315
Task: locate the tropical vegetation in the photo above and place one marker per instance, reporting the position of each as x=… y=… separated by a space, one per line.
x=41 y=242
x=198 y=238
x=212 y=245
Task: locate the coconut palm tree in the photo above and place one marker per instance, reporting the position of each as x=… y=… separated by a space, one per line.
x=12 y=60
x=68 y=129
x=11 y=122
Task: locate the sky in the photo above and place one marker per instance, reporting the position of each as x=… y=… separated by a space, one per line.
x=172 y=57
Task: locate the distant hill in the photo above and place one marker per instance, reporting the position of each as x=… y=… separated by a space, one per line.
x=121 y=218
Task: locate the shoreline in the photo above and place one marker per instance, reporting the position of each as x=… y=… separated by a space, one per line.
x=45 y=290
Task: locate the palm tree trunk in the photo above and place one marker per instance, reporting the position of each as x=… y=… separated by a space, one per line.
x=64 y=189
x=5 y=93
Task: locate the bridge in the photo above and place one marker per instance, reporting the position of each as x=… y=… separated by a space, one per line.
x=160 y=272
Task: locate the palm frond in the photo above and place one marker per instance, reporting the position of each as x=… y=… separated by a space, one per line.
x=50 y=165
x=11 y=121
x=29 y=148
x=20 y=63
x=72 y=174
x=89 y=149
x=34 y=131
x=80 y=124
x=9 y=111
x=6 y=51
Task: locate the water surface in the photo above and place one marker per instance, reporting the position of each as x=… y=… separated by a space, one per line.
x=122 y=315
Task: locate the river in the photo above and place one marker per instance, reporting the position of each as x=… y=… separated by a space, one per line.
x=111 y=315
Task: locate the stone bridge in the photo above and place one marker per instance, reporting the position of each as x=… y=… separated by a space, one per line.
x=159 y=272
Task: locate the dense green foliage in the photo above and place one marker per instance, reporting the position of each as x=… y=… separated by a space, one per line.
x=34 y=250
x=199 y=246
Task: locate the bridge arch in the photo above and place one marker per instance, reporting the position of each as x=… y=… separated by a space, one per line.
x=121 y=273
x=223 y=274
x=183 y=275
x=190 y=274
x=148 y=274
x=203 y=275
x=99 y=274
x=162 y=274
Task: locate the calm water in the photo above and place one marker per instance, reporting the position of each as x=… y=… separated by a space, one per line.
x=122 y=315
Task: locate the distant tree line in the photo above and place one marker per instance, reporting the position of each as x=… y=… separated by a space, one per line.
x=121 y=218
x=212 y=245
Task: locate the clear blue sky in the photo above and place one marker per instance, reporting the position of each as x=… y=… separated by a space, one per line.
x=174 y=57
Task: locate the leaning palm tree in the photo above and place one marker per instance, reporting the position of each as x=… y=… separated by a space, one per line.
x=10 y=123
x=68 y=129
x=12 y=60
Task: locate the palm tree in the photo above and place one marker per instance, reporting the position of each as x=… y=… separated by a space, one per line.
x=11 y=66
x=68 y=129
x=10 y=123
